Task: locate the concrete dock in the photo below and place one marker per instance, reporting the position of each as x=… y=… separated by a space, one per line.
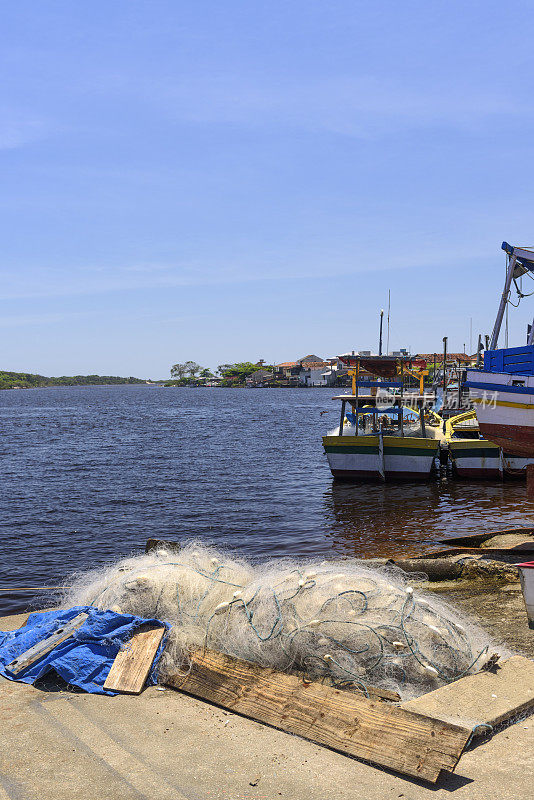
x=58 y=745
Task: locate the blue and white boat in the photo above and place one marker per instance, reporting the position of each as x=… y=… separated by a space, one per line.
x=503 y=391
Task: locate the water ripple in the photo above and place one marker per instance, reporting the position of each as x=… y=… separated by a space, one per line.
x=89 y=473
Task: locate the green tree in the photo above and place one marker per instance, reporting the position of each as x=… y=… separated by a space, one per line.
x=178 y=371
x=191 y=368
x=237 y=373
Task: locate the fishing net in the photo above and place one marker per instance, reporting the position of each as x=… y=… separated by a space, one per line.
x=340 y=621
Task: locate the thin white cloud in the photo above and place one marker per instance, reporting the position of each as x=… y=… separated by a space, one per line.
x=18 y=128
x=360 y=106
x=111 y=279
x=145 y=268
x=26 y=320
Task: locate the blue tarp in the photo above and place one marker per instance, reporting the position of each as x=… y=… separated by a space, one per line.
x=84 y=659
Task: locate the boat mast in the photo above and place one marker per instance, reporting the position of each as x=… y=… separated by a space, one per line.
x=401 y=401
x=355 y=393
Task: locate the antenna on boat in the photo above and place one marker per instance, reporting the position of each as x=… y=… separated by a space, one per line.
x=380 y=339
x=389 y=307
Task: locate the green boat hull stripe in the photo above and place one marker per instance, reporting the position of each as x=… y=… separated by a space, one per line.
x=475 y=453
x=390 y=451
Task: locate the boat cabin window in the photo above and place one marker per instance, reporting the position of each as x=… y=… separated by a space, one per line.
x=518 y=383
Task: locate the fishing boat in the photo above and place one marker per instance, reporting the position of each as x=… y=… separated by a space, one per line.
x=503 y=390
x=380 y=440
x=471 y=455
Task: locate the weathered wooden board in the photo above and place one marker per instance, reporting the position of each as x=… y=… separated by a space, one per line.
x=486 y=697
x=130 y=669
x=375 y=731
x=63 y=632
x=373 y=692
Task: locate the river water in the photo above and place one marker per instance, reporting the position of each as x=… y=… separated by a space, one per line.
x=89 y=473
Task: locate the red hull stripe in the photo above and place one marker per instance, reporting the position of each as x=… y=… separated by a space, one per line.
x=515 y=440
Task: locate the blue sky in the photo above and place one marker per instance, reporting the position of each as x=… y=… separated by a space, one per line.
x=238 y=180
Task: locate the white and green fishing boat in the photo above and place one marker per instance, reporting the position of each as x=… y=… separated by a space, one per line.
x=381 y=438
x=472 y=456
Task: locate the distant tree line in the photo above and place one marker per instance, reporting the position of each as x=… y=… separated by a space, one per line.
x=27 y=380
x=236 y=374
x=188 y=374
x=192 y=374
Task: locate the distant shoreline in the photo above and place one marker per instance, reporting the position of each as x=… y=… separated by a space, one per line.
x=28 y=380
x=74 y=386
x=160 y=384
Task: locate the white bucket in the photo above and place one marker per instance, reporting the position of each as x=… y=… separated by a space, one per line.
x=526 y=576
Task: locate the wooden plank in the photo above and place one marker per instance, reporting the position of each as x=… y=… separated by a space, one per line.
x=486 y=698
x=130 y=669
x=375 y=731
x=63 y=632
x=373 y=692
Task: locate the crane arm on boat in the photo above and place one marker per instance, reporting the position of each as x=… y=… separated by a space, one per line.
x=520 y=261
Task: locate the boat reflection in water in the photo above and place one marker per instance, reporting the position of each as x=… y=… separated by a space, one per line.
x=378 y=520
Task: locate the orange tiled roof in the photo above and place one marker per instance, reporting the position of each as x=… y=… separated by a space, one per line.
x=450 y=356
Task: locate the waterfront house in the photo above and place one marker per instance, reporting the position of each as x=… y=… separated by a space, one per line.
x=312 y=373
x=311 y=370
x=287 y=373
x=260 y=377
x=214 y=380
x=335 y=373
